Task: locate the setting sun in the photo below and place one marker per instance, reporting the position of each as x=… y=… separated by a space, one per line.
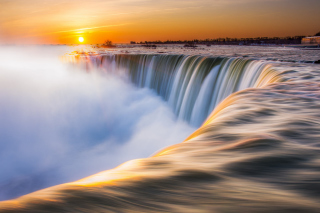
x=81 y=39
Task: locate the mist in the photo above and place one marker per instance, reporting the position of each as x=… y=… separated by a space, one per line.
x=60 y=124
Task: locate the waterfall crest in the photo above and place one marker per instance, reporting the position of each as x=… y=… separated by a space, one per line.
x=192 y=85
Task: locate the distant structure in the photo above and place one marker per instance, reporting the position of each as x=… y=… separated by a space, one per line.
x=311 y=40
x=132 y=42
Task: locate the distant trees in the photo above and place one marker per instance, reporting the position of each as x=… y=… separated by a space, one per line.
x=108 y=43
x=318 y=34
x=233 y=41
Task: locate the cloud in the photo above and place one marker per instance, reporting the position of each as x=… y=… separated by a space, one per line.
x=91 y=28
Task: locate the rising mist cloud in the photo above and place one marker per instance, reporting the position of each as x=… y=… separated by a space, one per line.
x=60 y=124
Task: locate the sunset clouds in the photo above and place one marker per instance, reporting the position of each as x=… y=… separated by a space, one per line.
x=59 y=21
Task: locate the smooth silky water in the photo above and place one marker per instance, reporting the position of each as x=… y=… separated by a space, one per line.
x=256 y=150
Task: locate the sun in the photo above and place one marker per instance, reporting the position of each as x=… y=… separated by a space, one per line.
x=81 y=39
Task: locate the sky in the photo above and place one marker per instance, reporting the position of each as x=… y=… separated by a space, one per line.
x=122 y=21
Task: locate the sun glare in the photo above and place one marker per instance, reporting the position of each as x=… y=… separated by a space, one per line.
x=81 y=39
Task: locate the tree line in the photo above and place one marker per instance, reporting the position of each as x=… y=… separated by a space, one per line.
x=231 y=41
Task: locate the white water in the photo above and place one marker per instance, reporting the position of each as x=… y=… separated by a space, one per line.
x=60 y=124
x=257 y=152
x=192 y=85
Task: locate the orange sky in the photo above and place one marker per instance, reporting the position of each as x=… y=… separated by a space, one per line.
x=64 y=21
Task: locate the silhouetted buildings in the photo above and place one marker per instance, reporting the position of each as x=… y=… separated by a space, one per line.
x=311 y=40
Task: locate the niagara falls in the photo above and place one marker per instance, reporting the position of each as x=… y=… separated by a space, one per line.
x=158 y=106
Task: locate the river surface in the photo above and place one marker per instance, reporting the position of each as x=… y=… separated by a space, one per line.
x=254 y=116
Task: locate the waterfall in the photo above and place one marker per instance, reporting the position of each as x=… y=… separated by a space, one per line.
x=257 y=151
x=192 y=85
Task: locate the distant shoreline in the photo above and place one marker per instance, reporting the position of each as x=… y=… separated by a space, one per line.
x=294 y=40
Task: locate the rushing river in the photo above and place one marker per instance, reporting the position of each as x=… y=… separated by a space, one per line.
x=256 y=149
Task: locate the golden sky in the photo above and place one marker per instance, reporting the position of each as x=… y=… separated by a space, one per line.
x=64 y=21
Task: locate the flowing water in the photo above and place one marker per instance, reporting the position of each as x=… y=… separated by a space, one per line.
x=192 y=85
x=257 y=151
